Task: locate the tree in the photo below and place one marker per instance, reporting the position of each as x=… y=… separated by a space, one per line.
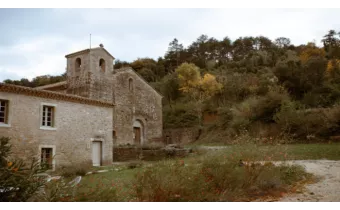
x=242 y=47
x=188 y=76
x=310 y=51
x=173 y=55
x=170 y=88
x=264 y=43
x=120 y=64
x=146 y=67
x=225 y=50
x=300 y=78
x=17 y=182
x=282 y=42
x=332 y=45
x=199 y=89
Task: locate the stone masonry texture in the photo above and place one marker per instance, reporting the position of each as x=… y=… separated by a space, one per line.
x=134 y=103
x=142 y=104
x=77 y=125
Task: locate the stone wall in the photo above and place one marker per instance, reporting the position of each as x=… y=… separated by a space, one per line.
x=180 y=135
x=77 y=125
x=78 y=79
x=101 y=80
x=90 y=80
x=136 y=100
x=132 y=153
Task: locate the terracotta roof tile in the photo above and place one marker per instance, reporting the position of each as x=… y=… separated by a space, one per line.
x=51 y=95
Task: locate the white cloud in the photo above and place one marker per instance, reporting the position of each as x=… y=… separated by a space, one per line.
x=41 y=56
x=131 y=33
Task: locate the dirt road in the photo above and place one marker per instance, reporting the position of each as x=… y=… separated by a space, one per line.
x=327 y=189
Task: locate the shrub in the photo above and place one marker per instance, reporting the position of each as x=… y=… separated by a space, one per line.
x=109 y=194
x=18 y=182
x=134 y=164
x=259 y=108
x=225 y=116
x=61 y=190
x=76 y=169
x=219 y=177
x=180 y=116
x=303 y=123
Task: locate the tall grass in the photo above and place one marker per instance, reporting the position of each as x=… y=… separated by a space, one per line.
x=226 y=175
x=219 y=177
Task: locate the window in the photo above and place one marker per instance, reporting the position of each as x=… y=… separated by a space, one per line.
x=3 y=111
x=131 y=84
x=114 y=134
x=78 y=64
x=46 y=158
x=48 y=116
x=102 y=65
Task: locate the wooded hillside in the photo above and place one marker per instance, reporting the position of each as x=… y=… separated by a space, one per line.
x=253 y=84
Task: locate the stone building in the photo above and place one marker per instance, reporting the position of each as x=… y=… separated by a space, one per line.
x=83 y=118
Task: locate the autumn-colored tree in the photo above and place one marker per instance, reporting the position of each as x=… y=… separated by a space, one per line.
x=188 y=76
x=311 y=51
x=332 y=65
x=198 y=88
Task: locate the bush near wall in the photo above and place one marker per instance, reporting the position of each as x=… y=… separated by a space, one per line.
x=310 y=124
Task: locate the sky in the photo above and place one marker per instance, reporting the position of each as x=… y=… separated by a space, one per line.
x=34 y=42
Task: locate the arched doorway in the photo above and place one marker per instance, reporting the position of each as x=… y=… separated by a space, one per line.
x=138 y=132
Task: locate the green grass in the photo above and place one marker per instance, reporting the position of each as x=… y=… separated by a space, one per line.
x=286 y=151
x=212 y=176
x=114 y=183
x=313 y=151
x=207 y=175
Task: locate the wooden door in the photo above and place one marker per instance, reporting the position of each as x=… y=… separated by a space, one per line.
x=137 y=135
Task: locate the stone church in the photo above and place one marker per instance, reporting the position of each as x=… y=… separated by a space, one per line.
x=83 y=118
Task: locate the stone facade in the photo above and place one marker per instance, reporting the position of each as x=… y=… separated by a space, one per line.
x=91 y=76
x=95 y=103
x=136 y=102
x=76 y=126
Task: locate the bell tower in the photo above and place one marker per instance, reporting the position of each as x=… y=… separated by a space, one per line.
x=90 y=73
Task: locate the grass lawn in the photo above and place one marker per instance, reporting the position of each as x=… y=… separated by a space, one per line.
x=313 y=151
x=206 y=175
x=120 y=181
x=286 y=151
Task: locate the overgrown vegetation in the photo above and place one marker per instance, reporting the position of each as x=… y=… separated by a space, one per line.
x=73 y=170
x=218 y=178
x=18 y=181
x=250 y=82
x=225 y=175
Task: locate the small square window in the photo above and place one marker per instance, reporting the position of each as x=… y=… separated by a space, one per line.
x=48 y=116
x=3 y=111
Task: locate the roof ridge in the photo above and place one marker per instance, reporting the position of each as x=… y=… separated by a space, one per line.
x=51 y=85
x=140 y=76
x=88 y=50
x=52 y=95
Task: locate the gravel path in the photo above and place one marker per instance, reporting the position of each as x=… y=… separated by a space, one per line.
x=326 y=189
x=213 y=147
